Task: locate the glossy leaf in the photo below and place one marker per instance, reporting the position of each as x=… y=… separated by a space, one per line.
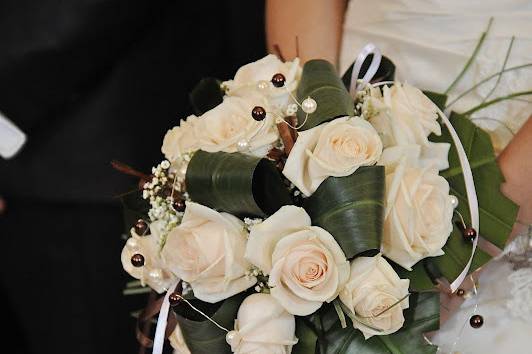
x=351 y=208
x=320 y=82
x=206 y=95
x=307 y=337
x=239 y=184
x=201 y=335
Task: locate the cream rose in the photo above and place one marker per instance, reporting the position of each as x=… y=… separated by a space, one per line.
x=180 y=139
x=418 y=216
x=337 y=148
x=207 y=250
x=372 y=288
x=262 y=327
x=248 y=77
x=153 y=272
x=224 y=126
x=403 y=115
x=306 y=266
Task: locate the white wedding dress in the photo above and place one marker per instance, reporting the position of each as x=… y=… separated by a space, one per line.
x=430 y=41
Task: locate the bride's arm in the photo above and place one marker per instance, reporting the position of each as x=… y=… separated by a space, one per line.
x=317 y=24
x=516 y=165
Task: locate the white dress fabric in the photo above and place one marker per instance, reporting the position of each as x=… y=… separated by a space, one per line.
x=431 y=40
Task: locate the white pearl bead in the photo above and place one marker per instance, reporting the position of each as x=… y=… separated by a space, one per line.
x=291 y=109
x=309 y=105
x=263 y=85
x=454 y=201
x=132 y=243
x=231 y=337
x=155 y=274
x=242 y=145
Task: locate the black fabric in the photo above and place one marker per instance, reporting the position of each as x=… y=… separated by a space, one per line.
x=90 y=81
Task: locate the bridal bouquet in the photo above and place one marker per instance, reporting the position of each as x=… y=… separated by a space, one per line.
x=301 y=212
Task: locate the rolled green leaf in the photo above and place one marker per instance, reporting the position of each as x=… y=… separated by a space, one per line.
x=201 y=335
x=321 y=82
x=239 y=184
x=206 y=95
x=423 y=315
x=351 y=208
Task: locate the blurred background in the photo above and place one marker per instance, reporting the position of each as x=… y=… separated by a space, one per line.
x=90 y=81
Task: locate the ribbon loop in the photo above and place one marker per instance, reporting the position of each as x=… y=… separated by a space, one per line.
x=368 y=49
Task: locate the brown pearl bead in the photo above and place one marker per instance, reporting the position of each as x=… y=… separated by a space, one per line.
x=278 y=80
x=469 y=233
x=137 y=260
x=141 y=227
x=460 y=292
x=258 y=113
x=174 y=299
x=179 y=205
x=476 y=321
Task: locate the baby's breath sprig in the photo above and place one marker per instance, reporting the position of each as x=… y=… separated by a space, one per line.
x=165 y=192
x=250 y=222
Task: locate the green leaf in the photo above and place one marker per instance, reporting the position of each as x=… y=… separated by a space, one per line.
x=420 y=279
x=423 y=315
x=201 y=335
x=439 y=99
x=351 y=208
x=386 y=71
x=321 y=82
x=307 y=338
x=239 y=184
x=134 y=207
x=497 y=213
x=206 y=95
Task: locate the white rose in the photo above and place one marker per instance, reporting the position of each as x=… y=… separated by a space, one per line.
x=372 y=288
x=180 y=139
x=221 y=128
x=207 y=251
x=153 y=272
x=177 y=341
x=248 y=77
x=305 y=264
x=337 y=148
x=403 y=115
x=418 y=216
x=262 y=327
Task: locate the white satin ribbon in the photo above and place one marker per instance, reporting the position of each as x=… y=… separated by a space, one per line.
x=368 y=49
x=11 y=138
x=471 y=196
x=160 y=329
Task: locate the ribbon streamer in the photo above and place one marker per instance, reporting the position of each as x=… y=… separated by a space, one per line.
x=158 y=340
x=368 y=49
